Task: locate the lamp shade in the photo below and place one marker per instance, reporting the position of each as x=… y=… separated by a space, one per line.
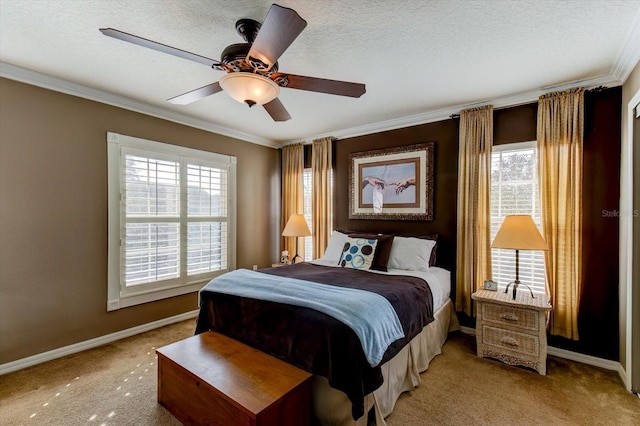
x=296 y=227
x=518 y=232
x=249 y=88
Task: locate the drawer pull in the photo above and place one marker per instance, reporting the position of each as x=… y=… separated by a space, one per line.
x=509 y=316
x=509 y=341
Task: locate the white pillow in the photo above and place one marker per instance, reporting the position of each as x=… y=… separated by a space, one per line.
x=334 y=247
x=410 y=253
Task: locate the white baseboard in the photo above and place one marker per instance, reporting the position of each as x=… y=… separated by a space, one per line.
x=585 y=359
x=623 y=375
x=102 y=340
x=573 y=356
x=92 y=343
x=468 y=330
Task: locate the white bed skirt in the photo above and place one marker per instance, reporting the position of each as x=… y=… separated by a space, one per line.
x=401 y=374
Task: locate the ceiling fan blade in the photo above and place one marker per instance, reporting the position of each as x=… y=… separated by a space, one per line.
x=121 y=35
x=279 y=29
x=196 y=95
x=322 y=85
x=276 y=110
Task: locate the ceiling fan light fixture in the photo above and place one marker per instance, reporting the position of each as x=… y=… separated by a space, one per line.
x=249 y=88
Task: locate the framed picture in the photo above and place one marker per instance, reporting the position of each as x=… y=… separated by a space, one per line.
x=392 y=184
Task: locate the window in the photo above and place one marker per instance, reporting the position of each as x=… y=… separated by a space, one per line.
x=307 y=188
x=171 y=219
x=514 y=190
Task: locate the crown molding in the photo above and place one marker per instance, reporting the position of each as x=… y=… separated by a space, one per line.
x=629 y=54
x=627 y=60
x=24 y=75
x=445 y=113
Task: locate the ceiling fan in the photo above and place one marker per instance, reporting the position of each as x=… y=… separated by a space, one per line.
x=252 y=68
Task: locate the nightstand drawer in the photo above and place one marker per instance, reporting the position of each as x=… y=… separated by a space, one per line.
x=512 y=330
x=526 y=319
x=514 y=341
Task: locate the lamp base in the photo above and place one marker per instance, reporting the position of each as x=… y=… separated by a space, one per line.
x=293 y=259
x=516 y=283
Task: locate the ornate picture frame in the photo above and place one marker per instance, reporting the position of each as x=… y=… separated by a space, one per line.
x=392 y=183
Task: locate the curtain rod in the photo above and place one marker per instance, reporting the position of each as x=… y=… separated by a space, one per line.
x=592 y=90
x=307 y=142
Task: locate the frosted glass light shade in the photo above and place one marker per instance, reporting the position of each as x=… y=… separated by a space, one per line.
x=518 y=232
x=249 y=88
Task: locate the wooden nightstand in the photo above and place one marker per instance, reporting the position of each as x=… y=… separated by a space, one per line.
x=513 y=331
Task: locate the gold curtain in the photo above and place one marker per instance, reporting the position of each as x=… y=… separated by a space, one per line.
x=322 y=196
x=292 y=194
x=560 y=130
x=473 y=262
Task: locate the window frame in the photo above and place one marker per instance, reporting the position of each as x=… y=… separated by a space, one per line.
x=118 y=294
x=537 y=289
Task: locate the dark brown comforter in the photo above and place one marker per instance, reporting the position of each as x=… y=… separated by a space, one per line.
x=313 y=340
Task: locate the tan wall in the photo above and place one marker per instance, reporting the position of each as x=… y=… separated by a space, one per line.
x=53 y=215
x=629 y=89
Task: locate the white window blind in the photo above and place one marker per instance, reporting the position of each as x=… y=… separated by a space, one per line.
x=307 y=184
x=514 y=190
x=171 y=219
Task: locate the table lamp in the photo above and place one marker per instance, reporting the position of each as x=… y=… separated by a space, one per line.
x=518 y=232
x=296 y=227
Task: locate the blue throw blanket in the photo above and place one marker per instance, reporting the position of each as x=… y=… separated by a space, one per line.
x=368 y=314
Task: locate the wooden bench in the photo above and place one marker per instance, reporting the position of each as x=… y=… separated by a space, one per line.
x=214 y=380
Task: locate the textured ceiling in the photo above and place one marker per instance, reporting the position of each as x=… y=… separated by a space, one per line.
x=415 y=57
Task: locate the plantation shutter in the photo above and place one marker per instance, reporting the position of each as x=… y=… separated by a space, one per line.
x=172 y=219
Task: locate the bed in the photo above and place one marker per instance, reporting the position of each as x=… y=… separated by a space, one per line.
x=366 y=319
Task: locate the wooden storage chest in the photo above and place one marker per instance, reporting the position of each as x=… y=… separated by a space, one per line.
x=211 y=379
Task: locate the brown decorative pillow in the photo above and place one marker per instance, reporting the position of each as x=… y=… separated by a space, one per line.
x=433 y=237
x=383 y=249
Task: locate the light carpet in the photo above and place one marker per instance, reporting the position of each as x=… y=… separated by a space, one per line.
x=115 y=384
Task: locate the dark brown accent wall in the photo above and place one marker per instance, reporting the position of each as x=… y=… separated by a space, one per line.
x=598 y=320
x=517 y=124
x=598 y=312
x=445 y=134
x=53 y=215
